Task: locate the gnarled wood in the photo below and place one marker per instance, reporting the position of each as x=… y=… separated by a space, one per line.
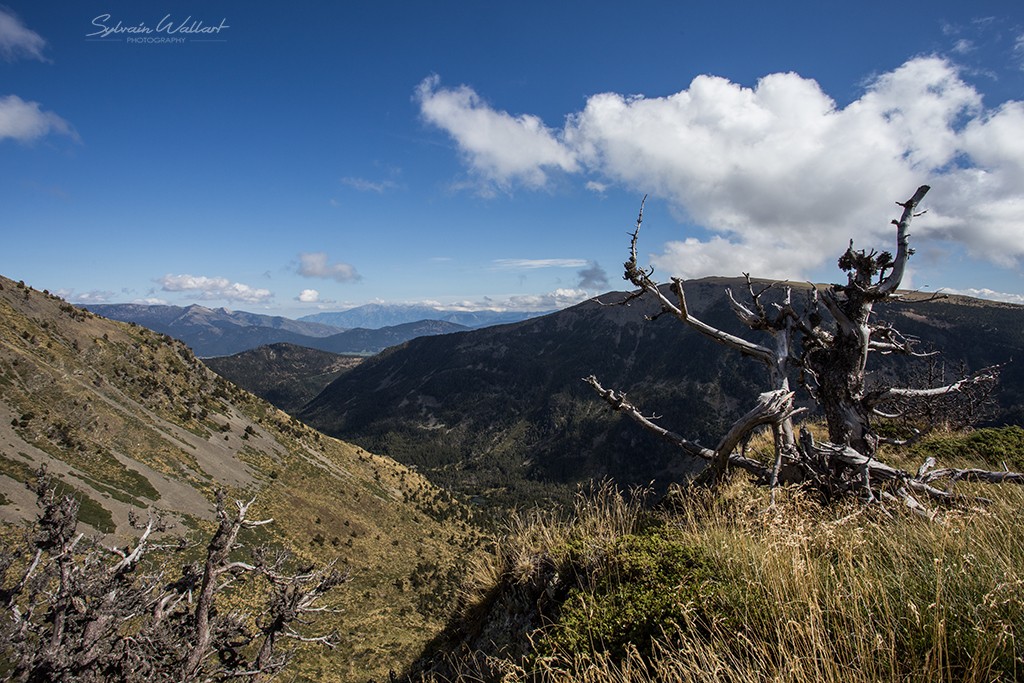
x=831 y=354
x=76 y=615
x=838 y=364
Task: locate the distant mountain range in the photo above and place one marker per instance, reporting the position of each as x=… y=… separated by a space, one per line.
x=170 y=317
x=502 y=411
x=220 y=332
x=375 y=316
x=215 y=332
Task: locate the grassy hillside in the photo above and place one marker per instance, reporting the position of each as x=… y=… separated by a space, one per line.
x=727 y=587
x=132 y=421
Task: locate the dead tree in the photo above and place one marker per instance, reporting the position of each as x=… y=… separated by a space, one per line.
x=826 y=345
x=972 y=402
x=77 y=611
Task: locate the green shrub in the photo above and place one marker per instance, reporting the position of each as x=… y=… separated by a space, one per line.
x=649 y=584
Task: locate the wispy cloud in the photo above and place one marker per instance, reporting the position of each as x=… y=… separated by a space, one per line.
x=17 y=41
x=779 y=175
x=364 y=185
x=963 y=46
x=214 y=288
x=316 y=264
x=533 y=264
x=26 y=121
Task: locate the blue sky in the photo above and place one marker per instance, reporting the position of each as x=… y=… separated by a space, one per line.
x=315 y=156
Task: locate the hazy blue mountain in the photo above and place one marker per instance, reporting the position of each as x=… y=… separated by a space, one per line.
x=195 y=315
x=220 y=332
x=366 y=341
x=375 y=316
x=216 y=332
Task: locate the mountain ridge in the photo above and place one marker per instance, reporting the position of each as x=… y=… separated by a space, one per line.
x=220 y=332
x=287 y=375
x=502 y=411
x=375 y=316
x=167 y=314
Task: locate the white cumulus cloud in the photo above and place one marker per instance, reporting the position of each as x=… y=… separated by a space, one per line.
x=18 y=41
x=316 y=264
x=308 y=296
x=548 y=301
x=560 y=298
x=96 y=296
x=26 y=121
x=499 y=147
x=778 y=175
x=214 y=288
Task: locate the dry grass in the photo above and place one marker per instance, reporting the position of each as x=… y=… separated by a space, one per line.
x=803 y=593
x=841 y=595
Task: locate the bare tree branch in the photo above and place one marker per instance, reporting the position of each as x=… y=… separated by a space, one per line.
x=771 y=407
x=891 y=283
x=972 y=474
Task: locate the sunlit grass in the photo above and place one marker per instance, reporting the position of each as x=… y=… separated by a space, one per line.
x=787 y=592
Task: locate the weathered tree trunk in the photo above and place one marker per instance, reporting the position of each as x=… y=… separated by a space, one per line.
x=840 y=371
x=838 y=361
x=218 y=564
x=832 y=359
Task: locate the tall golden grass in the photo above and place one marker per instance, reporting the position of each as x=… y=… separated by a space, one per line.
x=809 y=593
